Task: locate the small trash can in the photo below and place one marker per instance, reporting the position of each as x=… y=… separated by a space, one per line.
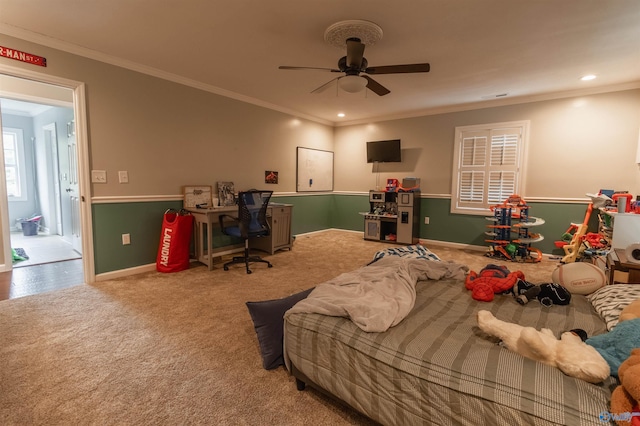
x=30 y=226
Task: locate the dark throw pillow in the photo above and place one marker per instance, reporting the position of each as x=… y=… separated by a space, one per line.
x=268 y=321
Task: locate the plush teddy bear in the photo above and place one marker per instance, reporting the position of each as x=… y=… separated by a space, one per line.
x=570 y=354
x=631 y=311
x=490 y=280
x=624 y=399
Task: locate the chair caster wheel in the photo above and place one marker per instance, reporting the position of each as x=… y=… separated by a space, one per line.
x=270 y=266
x=226 y=268
x=248 y=271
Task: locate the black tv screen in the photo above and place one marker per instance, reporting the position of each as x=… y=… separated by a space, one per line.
x=384 y=151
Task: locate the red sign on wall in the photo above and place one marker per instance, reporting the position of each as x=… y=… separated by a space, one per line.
x=22 y=56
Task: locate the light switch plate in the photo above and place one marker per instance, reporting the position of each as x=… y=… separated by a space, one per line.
x=98 y=176
x=123 y=176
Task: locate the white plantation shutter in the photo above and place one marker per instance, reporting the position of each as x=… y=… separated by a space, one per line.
x=487 y=165
x=472 y=164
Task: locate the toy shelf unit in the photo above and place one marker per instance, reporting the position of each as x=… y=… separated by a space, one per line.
x=510 y=233
x=393 y=217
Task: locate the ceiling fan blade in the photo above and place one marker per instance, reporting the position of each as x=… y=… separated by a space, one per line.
x=284 y=67
x=398 y=69
x=325 y=86
x=376 y=87
x=355 y=53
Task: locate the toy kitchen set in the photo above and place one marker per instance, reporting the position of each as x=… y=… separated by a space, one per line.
x=394 y=214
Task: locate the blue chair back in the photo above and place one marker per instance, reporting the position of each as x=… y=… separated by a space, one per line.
x=252 y=213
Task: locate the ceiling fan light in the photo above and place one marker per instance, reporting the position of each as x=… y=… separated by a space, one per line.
x=353 y=83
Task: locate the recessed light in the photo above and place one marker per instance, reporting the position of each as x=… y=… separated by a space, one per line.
x=341 y=114
x=588 y=77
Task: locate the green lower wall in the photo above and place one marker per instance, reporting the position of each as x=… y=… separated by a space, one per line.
x=143 y=221
x=467 y=229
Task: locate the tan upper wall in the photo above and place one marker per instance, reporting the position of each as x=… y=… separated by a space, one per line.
x=577 y=145
x=167 y=135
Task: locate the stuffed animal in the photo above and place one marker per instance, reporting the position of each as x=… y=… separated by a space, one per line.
x=492 y=279
x=548 y=294
x=570 y=354
x=631 y=311
x=624 y=399
x=616 y=345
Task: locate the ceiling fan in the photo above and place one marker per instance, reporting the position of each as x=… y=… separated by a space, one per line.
x=354 y=64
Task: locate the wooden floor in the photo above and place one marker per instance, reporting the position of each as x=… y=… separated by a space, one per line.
x=51 y=263
x=40 y=278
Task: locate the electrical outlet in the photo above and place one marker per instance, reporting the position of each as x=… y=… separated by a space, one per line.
x=126 y=239
x=426 y=220
x=123 y=176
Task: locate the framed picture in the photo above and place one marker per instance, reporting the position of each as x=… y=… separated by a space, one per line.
x=270 y=176
x=198 y=196
x=226 y=194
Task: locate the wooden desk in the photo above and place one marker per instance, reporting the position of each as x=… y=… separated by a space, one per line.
x=620 y=269
x=278 y=215
x=203 y=223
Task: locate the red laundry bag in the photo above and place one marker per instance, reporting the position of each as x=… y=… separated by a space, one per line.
x=175 y=239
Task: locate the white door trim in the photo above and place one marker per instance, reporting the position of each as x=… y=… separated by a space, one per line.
x=82 y=140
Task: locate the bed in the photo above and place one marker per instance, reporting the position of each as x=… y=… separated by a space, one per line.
x=436 y=367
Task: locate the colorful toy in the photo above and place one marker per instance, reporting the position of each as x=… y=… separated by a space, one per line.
x=578 y=231
x=579 y=277
x=594 y=240
x=392 y=185
x=625 y=397
x=626 y=197
x=490 y=280
x=514 y=209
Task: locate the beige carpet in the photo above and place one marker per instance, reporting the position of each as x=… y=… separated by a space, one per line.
x=175 y=348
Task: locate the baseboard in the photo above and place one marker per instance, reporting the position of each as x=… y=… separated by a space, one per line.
x=125 y=272
x=459 y=246
x=149 y=268
x=326 y=230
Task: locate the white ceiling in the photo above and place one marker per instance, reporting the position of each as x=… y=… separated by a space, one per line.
x=29 y=109
x=528 y=49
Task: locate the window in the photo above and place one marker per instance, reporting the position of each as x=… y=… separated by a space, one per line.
x=487 y=165
x=14 y=163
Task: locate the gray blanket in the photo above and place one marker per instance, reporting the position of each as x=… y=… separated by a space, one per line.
x=377 y=296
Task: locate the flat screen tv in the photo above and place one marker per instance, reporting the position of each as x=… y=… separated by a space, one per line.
x=384 y=151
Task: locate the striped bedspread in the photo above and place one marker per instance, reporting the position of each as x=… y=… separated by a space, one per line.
x=437 y=367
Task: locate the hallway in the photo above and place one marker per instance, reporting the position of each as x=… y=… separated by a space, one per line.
x=42 y=248
x=52 y=265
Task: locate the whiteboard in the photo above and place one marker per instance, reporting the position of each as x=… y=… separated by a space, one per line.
x=315 y=170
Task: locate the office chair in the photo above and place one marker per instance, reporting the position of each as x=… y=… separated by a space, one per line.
x=250 y=223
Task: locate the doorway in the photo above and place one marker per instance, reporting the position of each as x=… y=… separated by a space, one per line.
x=47 y=217
x=41 y=216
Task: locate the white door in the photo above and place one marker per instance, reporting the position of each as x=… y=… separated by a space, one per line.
x=68 y=164
x=51 y=145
